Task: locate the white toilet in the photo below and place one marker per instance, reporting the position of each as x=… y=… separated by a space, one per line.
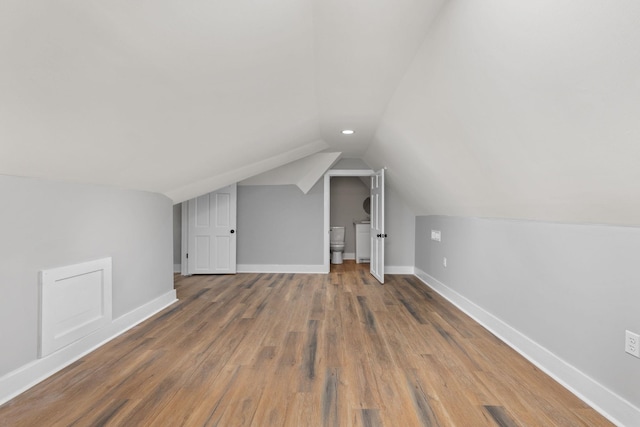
x=336 y=244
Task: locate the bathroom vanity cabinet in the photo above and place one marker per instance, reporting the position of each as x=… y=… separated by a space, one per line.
x=363 y=242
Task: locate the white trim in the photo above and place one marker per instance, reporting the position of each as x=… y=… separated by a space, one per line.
x=398 y=269
x=277 y=268
x=177 y=268
x=75 y=301
x=313 y=269
x=216 y=182
x=348 y=255
x=377 y=226
x=613 y=407
x=327 y=205
x=184 y=265
x=26 y=376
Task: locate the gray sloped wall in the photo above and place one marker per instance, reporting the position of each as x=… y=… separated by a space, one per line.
x=574 y=289
x=47 y=224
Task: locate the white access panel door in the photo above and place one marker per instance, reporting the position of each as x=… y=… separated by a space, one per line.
x=212 y=233
x=377 y=226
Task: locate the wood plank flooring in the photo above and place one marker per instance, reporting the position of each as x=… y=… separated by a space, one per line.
x=302 y=350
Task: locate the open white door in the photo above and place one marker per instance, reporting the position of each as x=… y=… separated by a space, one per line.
x=212 y=233
x=377 y=225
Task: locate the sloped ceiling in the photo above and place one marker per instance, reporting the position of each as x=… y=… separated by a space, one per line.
x=183 y=97
x=520 y=110
x=153 y=95
x=477 y=108
x=304 y=173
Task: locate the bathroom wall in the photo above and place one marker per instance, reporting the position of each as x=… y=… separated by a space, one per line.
x=347 y=196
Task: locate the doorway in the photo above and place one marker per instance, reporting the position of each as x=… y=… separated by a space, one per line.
x=378 y=255
x=347 y=202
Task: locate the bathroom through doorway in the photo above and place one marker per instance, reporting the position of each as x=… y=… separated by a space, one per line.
x=355 y=194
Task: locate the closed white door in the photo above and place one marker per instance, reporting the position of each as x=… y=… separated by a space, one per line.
x=212 y=232
x=377 y=226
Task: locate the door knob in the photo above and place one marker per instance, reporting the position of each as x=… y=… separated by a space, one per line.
x=379 y=235
x=233 y=231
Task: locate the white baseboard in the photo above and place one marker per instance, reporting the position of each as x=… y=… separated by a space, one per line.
x=615 y=408
x=313 y=269
x=177 y=268
x=277 y=268
x=25 y=377
x=398 y=269
x=349 y=255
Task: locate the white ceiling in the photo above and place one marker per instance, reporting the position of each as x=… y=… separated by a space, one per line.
x=175 y=96
x=521 y=110
x=477 y=108
x=304 y=173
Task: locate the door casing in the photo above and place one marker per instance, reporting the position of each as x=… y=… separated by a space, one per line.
x=327 y=204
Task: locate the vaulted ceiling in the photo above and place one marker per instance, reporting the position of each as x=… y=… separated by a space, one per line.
x=477 y=108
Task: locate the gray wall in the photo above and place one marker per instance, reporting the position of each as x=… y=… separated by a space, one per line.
x=177 y=233
x=47 y=224
x=400 y=227
x=347 y=195
x=573 y=289
x=279 y=224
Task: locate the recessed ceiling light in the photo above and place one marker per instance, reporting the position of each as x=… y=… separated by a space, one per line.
x=348 y=132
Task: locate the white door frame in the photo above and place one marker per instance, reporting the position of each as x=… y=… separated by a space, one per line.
x=327 y=203
x=184 y=269
x=377 y=226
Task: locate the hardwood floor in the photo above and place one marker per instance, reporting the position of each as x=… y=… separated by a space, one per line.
x=302 y=350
